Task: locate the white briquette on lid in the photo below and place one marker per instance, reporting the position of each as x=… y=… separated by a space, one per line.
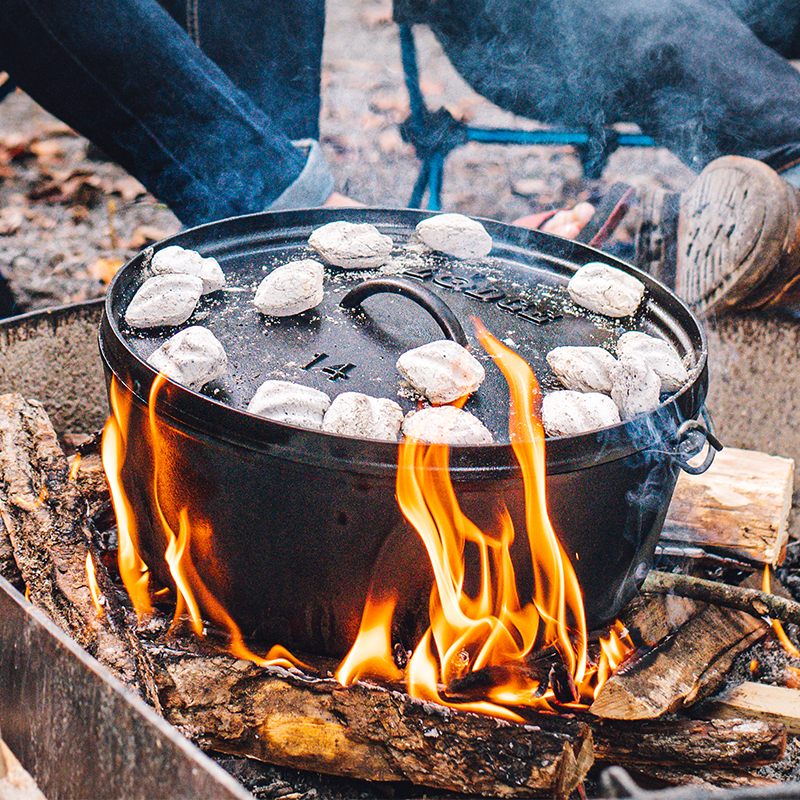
x=174 y=259
x=164 y=300
x=356 y=414
x=290 y=403
x=583 y=369
x=351 y=245
x=291 y=289
x=455 y=235
x=606 y=290
x=442 y=370
x=636 y=388
x=192 y=358
x=446 y=425
x=658 y=354
x=569 y=413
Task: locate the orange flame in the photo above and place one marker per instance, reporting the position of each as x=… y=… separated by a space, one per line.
x=491 y=634
x=193 y=596
x=787 y=643
x=91 y=577
x=132 y=569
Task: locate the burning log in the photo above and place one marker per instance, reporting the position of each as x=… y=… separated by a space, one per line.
x=44 y=517
x=289 y=718
x=681 y=669
x=366 y=731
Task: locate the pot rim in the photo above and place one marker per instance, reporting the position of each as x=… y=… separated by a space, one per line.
x=199 y=415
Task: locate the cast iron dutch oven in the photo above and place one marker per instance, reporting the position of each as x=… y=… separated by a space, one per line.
x=291 y=526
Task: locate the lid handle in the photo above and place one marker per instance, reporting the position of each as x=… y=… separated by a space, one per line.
x=432 y=303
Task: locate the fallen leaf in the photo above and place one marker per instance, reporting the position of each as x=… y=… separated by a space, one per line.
x=104 y=269
x=376 y=17
x=47 y=149
x=390 y=142
x=147 y=234
x=79 y=189
x=10 y=219
x=431 y=87
x=14 y=147
x=128 y=188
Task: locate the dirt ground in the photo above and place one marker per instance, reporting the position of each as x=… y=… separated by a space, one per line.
x=68 y=218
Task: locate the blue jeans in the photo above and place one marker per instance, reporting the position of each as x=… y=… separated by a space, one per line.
x=705 y=78
x=201 y=100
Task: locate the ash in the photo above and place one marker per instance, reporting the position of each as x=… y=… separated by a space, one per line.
x=268 y=782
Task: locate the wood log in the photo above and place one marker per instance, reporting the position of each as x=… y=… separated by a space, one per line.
x=740 y=506
x=760 y=701
x=753 y=601
x=44 y=516
x=366 y=731
x=655 y=776
x=682 y=669
x=684 y=742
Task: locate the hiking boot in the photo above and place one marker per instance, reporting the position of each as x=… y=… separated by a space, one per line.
x=732 y=240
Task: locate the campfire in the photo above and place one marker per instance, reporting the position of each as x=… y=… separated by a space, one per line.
x=492 y=652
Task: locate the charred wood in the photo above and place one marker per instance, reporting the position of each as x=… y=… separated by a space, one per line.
x=45 y=519
x=677 y=741
x=366 y=731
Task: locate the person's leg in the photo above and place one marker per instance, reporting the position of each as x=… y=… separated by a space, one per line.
x=774 y=22
x=271 y=50
x=689 y=72
x=127 y=76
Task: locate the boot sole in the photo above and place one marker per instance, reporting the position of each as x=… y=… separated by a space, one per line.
x=732 y=227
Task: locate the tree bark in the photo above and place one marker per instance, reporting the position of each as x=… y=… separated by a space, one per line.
x=366 y=731
x=753 y=601
x=45 y=520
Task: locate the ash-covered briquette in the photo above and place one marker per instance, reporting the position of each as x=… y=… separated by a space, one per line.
x=164 y=300
x=583 y=369
x=446 y=425
x=658 y=354
x=357 y=414
x=569 y=413
x=290 y=403
x=637 y=387
x=442 y=370
x=192 y=357
x=351 y=245
x=175 y=259
x=606 y=290
x=455 y=235
x=291 y=289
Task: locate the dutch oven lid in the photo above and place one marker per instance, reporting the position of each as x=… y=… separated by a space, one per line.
x=518 y=292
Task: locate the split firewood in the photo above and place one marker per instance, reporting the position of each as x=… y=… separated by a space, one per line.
x=740 y=506
x=675 y=741
x=683 y=668
x=760 y=701
x=366 y=731
x=45 y=519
